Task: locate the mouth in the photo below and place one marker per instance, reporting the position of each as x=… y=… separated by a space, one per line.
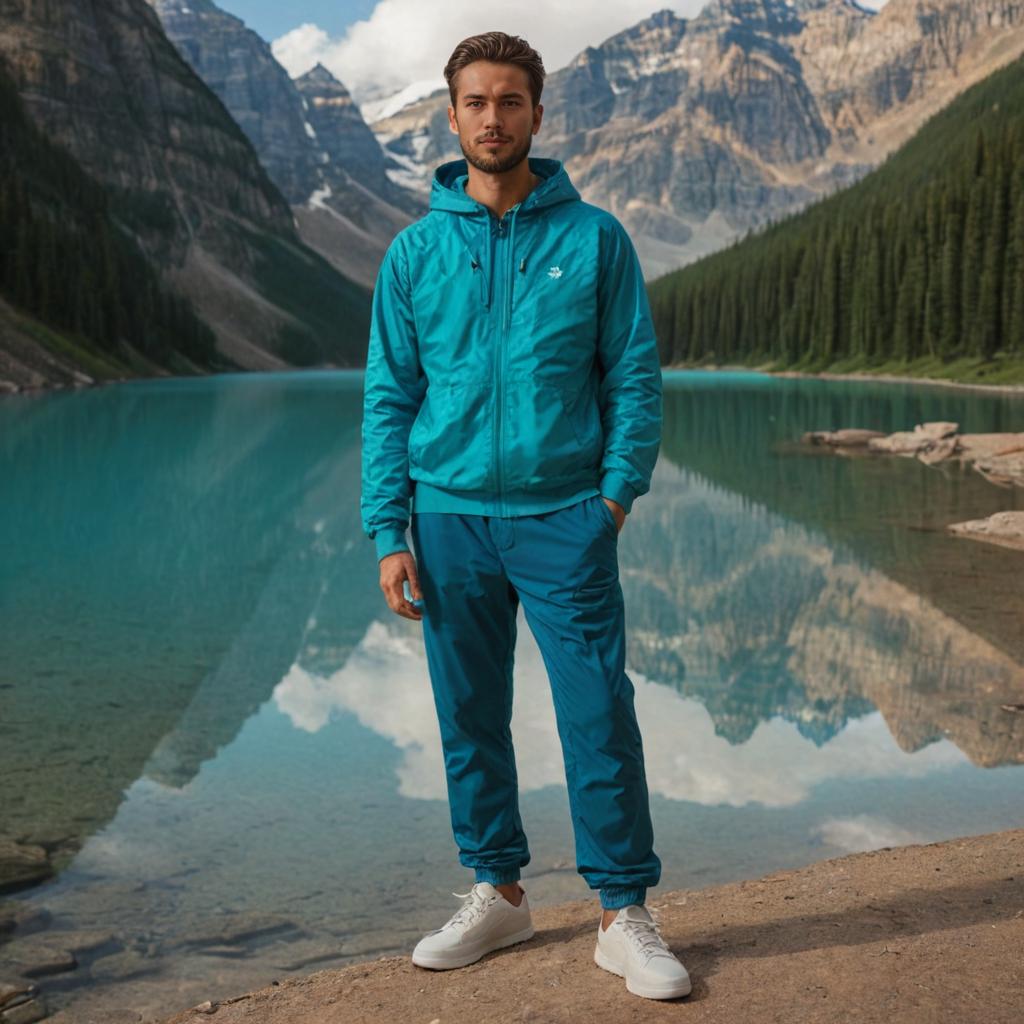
x=494 y=142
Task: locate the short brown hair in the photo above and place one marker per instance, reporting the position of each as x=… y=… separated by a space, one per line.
x=501 y=48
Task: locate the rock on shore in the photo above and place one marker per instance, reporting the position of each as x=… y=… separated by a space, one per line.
x=1003 y=528
x=998 y=457
x=930 y=933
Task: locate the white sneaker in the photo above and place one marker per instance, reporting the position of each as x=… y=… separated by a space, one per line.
x=484 y=922
x=632 y=948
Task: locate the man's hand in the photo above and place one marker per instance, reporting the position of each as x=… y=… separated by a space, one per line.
x=617 y=511
x=395 y=569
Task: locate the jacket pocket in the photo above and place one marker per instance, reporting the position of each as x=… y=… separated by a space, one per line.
x=542 y=447
x=585 y=416
x=608 y=515
x=450 y=440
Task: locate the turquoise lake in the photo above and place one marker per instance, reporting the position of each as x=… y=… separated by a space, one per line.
x=227 y=743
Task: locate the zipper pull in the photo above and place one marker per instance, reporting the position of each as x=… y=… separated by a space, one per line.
x=522 y=265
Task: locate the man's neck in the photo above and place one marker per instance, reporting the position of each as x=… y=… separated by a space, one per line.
x=500 y=192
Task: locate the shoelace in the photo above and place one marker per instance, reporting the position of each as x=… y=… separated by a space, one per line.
x=644 y=936
x=471 y=909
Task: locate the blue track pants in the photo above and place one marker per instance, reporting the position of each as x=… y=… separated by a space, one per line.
x=563 y=566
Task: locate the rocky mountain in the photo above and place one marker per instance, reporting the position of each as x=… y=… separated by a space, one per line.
x=103 y=82
x=353 y=153
x=693 y=131
x=240 y=68
x=309 y=134
x=921 y=259
x=357 y=208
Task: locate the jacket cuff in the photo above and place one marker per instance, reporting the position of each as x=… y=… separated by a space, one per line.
x=614 y=486
x=389 y=539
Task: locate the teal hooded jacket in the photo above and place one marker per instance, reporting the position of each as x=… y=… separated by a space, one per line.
x=512 y=366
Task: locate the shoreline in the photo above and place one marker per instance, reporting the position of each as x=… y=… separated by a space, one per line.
x=930 y=928
x=887 y=378
x=34 y=390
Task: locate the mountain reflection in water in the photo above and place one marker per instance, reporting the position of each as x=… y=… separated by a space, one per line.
x=207 y=707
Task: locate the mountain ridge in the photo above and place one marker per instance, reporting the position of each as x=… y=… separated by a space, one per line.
x=103 y=82
x=922 y=259
x=308 y=132
x=694 y=131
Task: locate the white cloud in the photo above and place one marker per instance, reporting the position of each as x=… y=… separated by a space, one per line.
x=864 y=832
x=385 y=684
x=407 y=41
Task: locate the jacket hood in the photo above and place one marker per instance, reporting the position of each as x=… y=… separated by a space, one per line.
x=448 y=189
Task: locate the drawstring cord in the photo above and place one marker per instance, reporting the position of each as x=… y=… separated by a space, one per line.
x=475 y=265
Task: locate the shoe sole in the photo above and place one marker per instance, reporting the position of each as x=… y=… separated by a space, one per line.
x=648 y=991
x=471 y=958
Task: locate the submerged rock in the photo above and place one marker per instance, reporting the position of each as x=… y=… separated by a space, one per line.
x=22 y=864
x=24 y=916
x=124 y=964
x=240 y=928
x=35 y=956
x=85 y=940
x=27 y=1012
x=16 y=992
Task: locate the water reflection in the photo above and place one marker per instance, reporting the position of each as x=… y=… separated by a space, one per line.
x=206 y=706
x=687 y=759
x=740 y=431
x=172 y=548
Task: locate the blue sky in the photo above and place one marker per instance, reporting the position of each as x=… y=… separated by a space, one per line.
x=271 y=18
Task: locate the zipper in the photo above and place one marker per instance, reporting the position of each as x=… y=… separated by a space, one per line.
x=506 y=323
x=498 y=405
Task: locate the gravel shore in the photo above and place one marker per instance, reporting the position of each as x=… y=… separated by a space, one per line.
x=931 y=933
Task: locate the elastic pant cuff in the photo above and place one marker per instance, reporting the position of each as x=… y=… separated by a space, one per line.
x=614 y=897
x=497 y=876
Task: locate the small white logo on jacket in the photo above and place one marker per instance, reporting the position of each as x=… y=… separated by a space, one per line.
x=555 y=272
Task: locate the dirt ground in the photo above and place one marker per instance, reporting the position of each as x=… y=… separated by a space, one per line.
x=930 y=933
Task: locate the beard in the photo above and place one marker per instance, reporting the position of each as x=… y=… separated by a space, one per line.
x=496 y=163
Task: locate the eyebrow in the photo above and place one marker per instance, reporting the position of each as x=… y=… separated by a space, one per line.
x=481 y=96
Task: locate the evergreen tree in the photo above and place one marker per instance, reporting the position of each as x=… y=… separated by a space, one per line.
x=925 y=255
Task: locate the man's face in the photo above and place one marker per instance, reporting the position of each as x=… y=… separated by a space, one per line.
x=494 y=103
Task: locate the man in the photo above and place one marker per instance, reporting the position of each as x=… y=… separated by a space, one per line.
x=513 y=394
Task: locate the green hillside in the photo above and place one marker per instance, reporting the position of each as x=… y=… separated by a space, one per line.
x=917 y=268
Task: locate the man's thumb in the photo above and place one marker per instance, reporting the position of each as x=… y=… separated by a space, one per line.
x=414 y=583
